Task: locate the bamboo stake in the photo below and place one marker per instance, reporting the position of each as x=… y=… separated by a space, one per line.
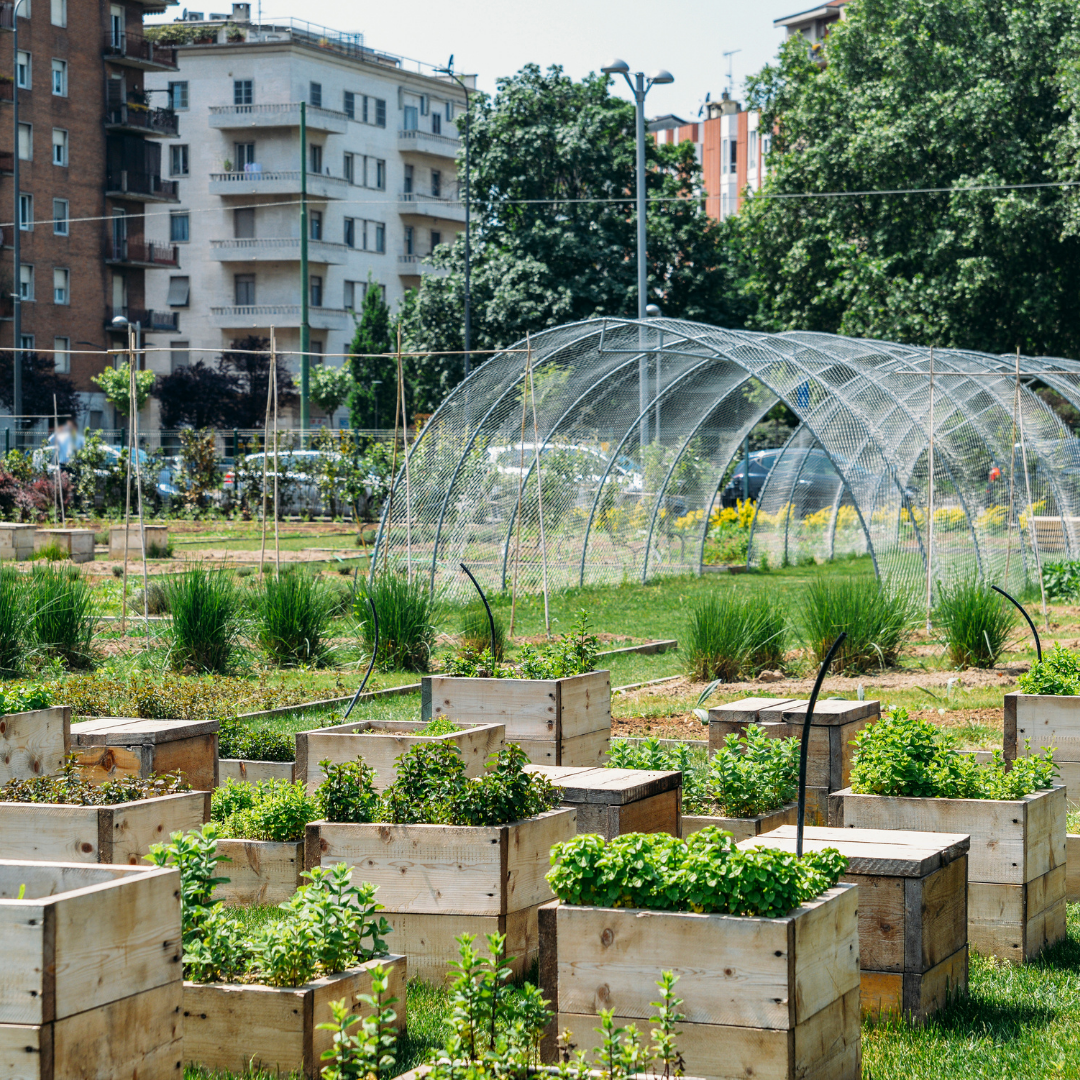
x=539 y=484
x=1012 y=475
x=1031 y=505
x=56 y=447
x=266 y=455
x=277 y=462
x=393 y=483
x=138 y=491
x=405 y=440
x=521 y=484
x=930 y=526
x=127 y=502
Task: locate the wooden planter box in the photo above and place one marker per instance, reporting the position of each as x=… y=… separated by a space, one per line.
x=260 y=871
x=743 y=828
x=772 y=999
x=229 y=1025
x=34 y=743
x=1016 y=863
x=111 y=746
x=91 y=982
x=1072 y=869
x=77 y=543
x=556 y=721
x=16 y=541
x=157 y=535
x=439 y=881
x=115 y=834
x=912 y=912
x=1047 y=720
x=241 y=769
x=733 y=718
x=616 y=801
x=346 y=742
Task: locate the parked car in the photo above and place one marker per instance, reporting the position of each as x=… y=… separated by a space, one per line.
x=297 y=477
x=592 y=462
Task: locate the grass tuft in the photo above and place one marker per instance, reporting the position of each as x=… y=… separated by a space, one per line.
x=62 y=613
x=407 y=612
x=15 y=624
x=206 y=622
x=294 y=613
x=976 y=622
x=476 y=631
x=733 y=635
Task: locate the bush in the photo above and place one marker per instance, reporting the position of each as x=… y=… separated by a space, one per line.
x=15 y=620
x=753 y=774
x=157 y=602
x=1061 y=580
x=348 y=791
x=63 y=622
x=206 y=621
x=268 y=810
x=976 y=620
x=67 y=787
x=876 y=620
x=237 y=740
x=731 y=636
x=407 y=611
x=1057 y=673
x=294 y=612
x=650 y=753
x=476 y=631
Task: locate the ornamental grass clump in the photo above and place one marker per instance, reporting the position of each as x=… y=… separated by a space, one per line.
x=476 y=631
x=15 y=620
x=732 y=636
x=407 y=612
x=206 y=620
x=976 y=622
x=275 y=810
x=1057 y=673
x=752 y=774
x=704 y=873
x=293 y=620
x=901 y=755
x=63 y=622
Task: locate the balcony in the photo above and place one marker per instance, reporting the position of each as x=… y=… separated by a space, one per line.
x=7 y=16
x=263 y=316
x=140 y=187
x=415 y=204
x=285 y=115
x=138 y=120
x=167 y=322
x=413 y=266
x=7 y=161
x=424 y=142
x=281 y=182
x=139 y=253
x=133 y=50
x=276 y=249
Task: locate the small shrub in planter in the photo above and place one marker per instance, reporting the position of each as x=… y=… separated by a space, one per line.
x=260 y=998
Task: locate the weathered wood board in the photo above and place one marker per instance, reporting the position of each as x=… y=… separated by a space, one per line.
x=244 y=770
x=742 y=828
x=260 y=871
x=34 y=743
x=1045 y=721
x=156 y=536
x=1072 y=869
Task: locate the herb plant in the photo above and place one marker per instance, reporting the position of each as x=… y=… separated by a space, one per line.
x=753 y=774
x=206 y=620
x=370 y=1052
x=441 y=725
x=1061 y=580
x=347 y=792
x=704 y=873
x=68 y=788
x=731 y=636
x=268 y=810
x=904 y=756
x=407 y=613
x=239 y=740
x=294 y=612
x=651 y=753
x=22 y=697
x=1057 y=673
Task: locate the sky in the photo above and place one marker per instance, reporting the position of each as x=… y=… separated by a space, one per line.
x=497 y=37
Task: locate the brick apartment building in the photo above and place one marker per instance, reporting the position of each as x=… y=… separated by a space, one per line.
x=90 y=164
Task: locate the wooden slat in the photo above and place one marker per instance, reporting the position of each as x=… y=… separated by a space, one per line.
x=827 y=712
x=47 y=832
x=1072 y=880
x=606 y=785
x=1045 y=847
x=260 y=871
x=42 y=879
x=585 y=704
x=882 y=932
x=100 y=763
x=34 y=743
x=1048 y=720
x=925 y=994
x=741 y=828
x=26 y=1049
x=826 y=950
x=829 y=1044
x=136 y=826
x=881 y=993
x=548 y=975
x=252 y=772
x=27 y=952
x=528 y=707
x=745 y=711
x=817 y=756
x=589 y=749
x=661 y=813
x=528 y=856
x=942 y=900
x=132 y=730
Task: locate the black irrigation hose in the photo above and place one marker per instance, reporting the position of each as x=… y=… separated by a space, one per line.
x=1016 y=603
x=804 y=749
x=374 y=653
x=491 y=618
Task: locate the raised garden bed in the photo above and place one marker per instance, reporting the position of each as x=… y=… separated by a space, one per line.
x=1046 y=720
x=92 y=975
x=260 y=871
x=107 y=747
x=241 y=769
x=615 y=801
x=77 y=544
x=157 y=536
x=555 y=721
x=34 y=743
x=732 y=718
x=913 y=949
x=16 y=541
x=742 y=828
x=381 y=742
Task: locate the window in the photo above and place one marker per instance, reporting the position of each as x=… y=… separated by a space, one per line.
x=26 y=212
x=60 y=213
x=61 y=286
x=350 y=232
x=179 y=291
x=316 y=224
x=59 y=12
x=751 y=150
x=26 y=142
x=316 y=291
x=244 y=223
x=409 y=240
x=410 y=120
x=380 y=113
x=245 y=155
x=423 y=104
x=766 y=145
x=733 y=148
x=96 y=419
x=178 y=354
x=724 y=154
x=315 y=158
x=59 y=78
x=244 y=288
x=315 y=94
x=347 y=167
x=380 y=174
x=364 y=110
x=26 y=282
x=22 y=70
x=62 y=355
x=59 y=146
x=119 y=230
x=409 y=174
x=178 y=160
x=351 y=293
x=179 y=227
x=436 y=123
x=243 y=91
x=26 y=342
x=350 y=105
x=178 y=95
x=436 y=239
x=436 y=183
x=316 y=349
x=380 y=238
x=116 y=25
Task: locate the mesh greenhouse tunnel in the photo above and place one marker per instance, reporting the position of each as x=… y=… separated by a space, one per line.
x=617 y=446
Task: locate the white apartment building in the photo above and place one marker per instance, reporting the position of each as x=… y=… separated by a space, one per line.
x=381 y=152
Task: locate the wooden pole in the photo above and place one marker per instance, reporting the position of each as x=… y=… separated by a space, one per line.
x=539 y=487
x=56 y=447
x=127 y=502
x=405 y=451
x=393 y=483
x=138 y=491
x=930 y=525
x=1031 y=505
x=521 y=484
x=266 y=455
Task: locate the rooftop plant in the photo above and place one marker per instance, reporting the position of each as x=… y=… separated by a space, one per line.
x=69 y=789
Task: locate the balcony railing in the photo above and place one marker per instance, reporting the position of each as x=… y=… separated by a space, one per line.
x=422 y=140
x=147 y=320
x=139 y=183
x=153 y=121
x=260 y=176
x=138 y=251
x=136 y=47
x=280 y=114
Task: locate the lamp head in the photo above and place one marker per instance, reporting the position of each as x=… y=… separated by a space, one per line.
x=120 y=323
x=661 y=77
x=616 y=67
x=652 y=311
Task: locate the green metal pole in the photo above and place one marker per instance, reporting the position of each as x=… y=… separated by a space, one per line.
x=305 y=329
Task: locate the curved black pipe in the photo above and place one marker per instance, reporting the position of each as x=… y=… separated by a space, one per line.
x=374 y=653
x=491 y=618
x=804 y=749
x=1016 y=603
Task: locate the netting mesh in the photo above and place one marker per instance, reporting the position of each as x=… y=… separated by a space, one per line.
x=611 y=458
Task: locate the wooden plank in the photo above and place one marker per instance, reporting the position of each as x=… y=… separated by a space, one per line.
x=136 y=826
x=1047 y=721
x=548 y=975
x=607 y=785
x=195 y=757
x=1069 y=776
x=26 y=1049
x=100 y=763
x=1046 y=929
x=241 y=769
x=661 y=813
x=745 y=711
x=430 y=943
x=826 y=712
x=1072 y=878
x=42 y=879
x=584 y=705
x=260 y=871
x=828 y=1045
x=817 y=756
x=842 y=751
x=1009 y=733
x=826 y=950
x=541 y=751
x=941 y=899
x=925 y=994
x=528 y=856
x=133 y=730
x=1045 y=847
x=527 y=707
x=25 y=982
x=881 y=993
x=34 y=743
x=590 y=749
x=882 y=927
x=49 y=832
x=741 y=828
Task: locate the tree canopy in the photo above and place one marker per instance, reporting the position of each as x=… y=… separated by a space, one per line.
x=371 y=337
x=39 y=383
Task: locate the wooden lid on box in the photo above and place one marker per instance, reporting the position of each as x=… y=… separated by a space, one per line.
x=880 y=852
x=614 y=787
x=134 y=731
x=746 y=711
x=827 y=711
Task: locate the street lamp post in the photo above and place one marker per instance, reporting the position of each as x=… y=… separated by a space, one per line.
x=16 y=403
x=640 y=85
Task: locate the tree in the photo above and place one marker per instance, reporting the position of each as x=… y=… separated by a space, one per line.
x=330 y=387
x=372 y=337
x=194 y=395
x=247 y=363
x=39 y=383
x=552 y=181
x=116 y=384
x=962 y=95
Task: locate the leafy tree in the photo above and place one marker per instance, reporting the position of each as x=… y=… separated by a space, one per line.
x=247 y=363
x=39 y=383
x=116 y=383
x=372 y=337
x=955 y=94
x=194 y=395
x=330 y=387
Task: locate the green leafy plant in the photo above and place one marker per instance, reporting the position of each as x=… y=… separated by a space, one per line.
x=347 y=792
x=294 y=612
x=206 y=620
x=441 y=725
x=22 y=697
x=239 y=740
x=1061 y=580
x=407 y=612
x=370 y=1052
x=976 y=621
x=704 y=873
x=753 y=774
x=267 y=810
x=63 y=622
x=651 y=753
x=901 y=755
x=116 y=384
x=1057 y=673
x=732 y=636
x=69 y=788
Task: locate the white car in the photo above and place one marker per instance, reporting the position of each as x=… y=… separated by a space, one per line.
x=520 y=458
